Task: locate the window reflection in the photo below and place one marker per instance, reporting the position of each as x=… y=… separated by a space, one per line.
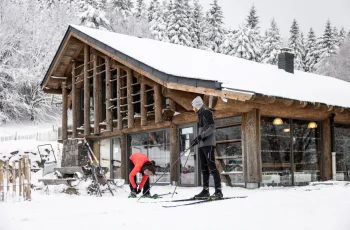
x=342 y=148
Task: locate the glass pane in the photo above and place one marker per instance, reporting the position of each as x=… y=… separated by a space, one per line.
x=228 y=121
x=228 y=133
x=307 y=151
x=105 y=154
x=188 y=171
x=116 y=159
x=275 y=151
x=138 y=144
x=342 y=148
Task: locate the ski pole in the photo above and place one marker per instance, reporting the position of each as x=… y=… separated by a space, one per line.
x=180 y=175
x=166 y=170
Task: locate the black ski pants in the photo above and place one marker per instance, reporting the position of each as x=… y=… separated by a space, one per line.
x=146 y=186
x=208 y=166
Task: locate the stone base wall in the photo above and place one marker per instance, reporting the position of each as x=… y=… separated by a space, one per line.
x=73 y=154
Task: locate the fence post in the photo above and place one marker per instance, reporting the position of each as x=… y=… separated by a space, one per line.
x=1 y=182
x=13 y=179
x=20 y=177
x=8 y=178
x=27 y=177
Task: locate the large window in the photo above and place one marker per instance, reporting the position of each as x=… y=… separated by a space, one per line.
x=156 y=145
x=342 y=148
x=290 y=151
x=116 y=159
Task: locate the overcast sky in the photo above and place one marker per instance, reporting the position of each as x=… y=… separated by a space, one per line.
x=308 y=13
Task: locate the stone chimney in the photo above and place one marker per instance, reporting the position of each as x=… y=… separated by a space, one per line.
x=286 y=60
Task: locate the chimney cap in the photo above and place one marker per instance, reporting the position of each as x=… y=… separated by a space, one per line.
x=286 y=50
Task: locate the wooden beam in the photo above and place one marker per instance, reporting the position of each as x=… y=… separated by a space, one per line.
x=119 y=94
x=74 y=102
x=302 y=104
x=124 y=156
x=251 y=147
x=78 y=107
x=143 y=102
x=150 y=126
x=174 y=153
x=327 y=152
x=109 y=112
x=86 y=92
x=64 y=112
x=172 y=104
x=52 y=91
x=129 y=81
x=262 y=99
x=158 y=107
x=338 y=110
x=97 y=96
x=182 y=98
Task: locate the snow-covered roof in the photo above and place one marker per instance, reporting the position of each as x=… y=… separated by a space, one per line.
x=233 y=72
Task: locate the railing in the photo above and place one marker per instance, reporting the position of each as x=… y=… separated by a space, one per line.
x=15 y=180
x=39 y=136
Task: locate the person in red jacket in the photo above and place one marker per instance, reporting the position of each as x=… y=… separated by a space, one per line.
x=139 y=163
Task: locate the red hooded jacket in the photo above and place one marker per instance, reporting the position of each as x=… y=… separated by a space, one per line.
x=138 y=159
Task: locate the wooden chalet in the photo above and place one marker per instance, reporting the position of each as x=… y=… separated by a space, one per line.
x=130 y=94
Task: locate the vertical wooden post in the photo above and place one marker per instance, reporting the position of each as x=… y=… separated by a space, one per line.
x=251 y=148
x=20 y=177
x=2 y=192
x=124 y=156
x=64 y=112
x=78 y=107
x=14 y=179
x=129 y=78
x=109 y=113
x=119 y=95
x=29 y=191
x=8 y=172
x=327 y=169
x=172 y=104
x=86 y=92
x=158 y=108
x=143 y=103
x=174 y=153
x=97 y=96
x=74 y=101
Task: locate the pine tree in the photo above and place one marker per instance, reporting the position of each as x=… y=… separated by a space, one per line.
x=215 y=30
x=228 y=46
x=199 y=26
x=253 y=18
x=151 y=9
x=271 y=45
x=295 y=44
x=178 y=30
x=123 y=7
x=336 y=36
x=92 y=16
x=141 y=9
x=311 y=57
x=191 y=22
x=303 y=56
x=342 y=36
x=254 y=34
x=158 y=25
x=241 y=43
x=328 y=43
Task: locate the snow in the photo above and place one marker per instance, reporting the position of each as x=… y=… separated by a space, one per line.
x=320 y=207
x=235 y=73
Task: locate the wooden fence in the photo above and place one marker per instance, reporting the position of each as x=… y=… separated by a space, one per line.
x=42 y=136
x=15 y=180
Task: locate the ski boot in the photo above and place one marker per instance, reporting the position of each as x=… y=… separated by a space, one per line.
x=217 y=195
x=204 y=194
x=147 y=195
x=132 y=195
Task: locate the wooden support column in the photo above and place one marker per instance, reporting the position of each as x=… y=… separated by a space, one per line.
x=327 y=161
x=130 y=99
x=64 y=112
x=119 y=94
x=158 y=108
x=174 y=153
x=109 y=113
x=124 y=156
x=86 y=92
x=97 y=96
x=74 y=102
x=78 y=107
x=143 y=102
x=251 y=145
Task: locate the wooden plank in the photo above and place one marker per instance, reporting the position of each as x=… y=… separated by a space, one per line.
x=2 y=192
x=87 y=130
x=182 y=98
x=221 y=167
x=8 y=173
x=174 y=153
x=29 y=191
x=14 y=177
x=228 y=157
x=20 y=177
x=119 y=101
x=251 y=146
x=97 y=96
x=129 y=81
x=78 y=107
x=143 y=102
x=151 y=125
x=64 y=112
x=158 y=107
x=52 y=91
x=74 y=102
x=327 y=150
x=109 y=112
x=228 y=141
x=69 y=170
x=124 y=156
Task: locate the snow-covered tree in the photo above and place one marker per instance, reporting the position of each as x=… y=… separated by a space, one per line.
x=199 y=26
x=271 y=45
x=228 y=46
x=342 y=36
x=215 y=29
x=151 y=9
x=141 y=9
x=158 y=25
x=123 y=7
x=295 y=44
x=253 y=18
x=92 y=15
x=311 y=54
x=243 y=47
x=178 y=26
x=336 y=36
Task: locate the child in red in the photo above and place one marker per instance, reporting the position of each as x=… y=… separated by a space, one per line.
x=139 y=163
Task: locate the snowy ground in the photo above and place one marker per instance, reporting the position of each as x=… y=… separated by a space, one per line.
x=310 y=207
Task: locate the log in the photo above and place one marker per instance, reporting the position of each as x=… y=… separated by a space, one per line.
x=2 y=192
x=123 y=149
x=97 y=96
x=14 y=177
x=20 y=173
x=109 y=112
x=64 y=112
x=129 y=81
x=119 y=94
x=174 y=153
x=86 y=92
x=327 y=150
x=143 y=102
x=74 y=102
x=158 y=107
x=8 y=173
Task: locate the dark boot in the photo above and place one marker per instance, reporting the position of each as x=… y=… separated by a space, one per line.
x=217 y=195
x=203 y=194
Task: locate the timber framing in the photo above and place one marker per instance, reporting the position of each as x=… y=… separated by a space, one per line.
x=113 y=96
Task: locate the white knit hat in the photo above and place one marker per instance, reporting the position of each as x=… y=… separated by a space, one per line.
x=197 y=102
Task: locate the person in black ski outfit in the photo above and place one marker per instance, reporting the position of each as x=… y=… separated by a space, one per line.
x=207 y=143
